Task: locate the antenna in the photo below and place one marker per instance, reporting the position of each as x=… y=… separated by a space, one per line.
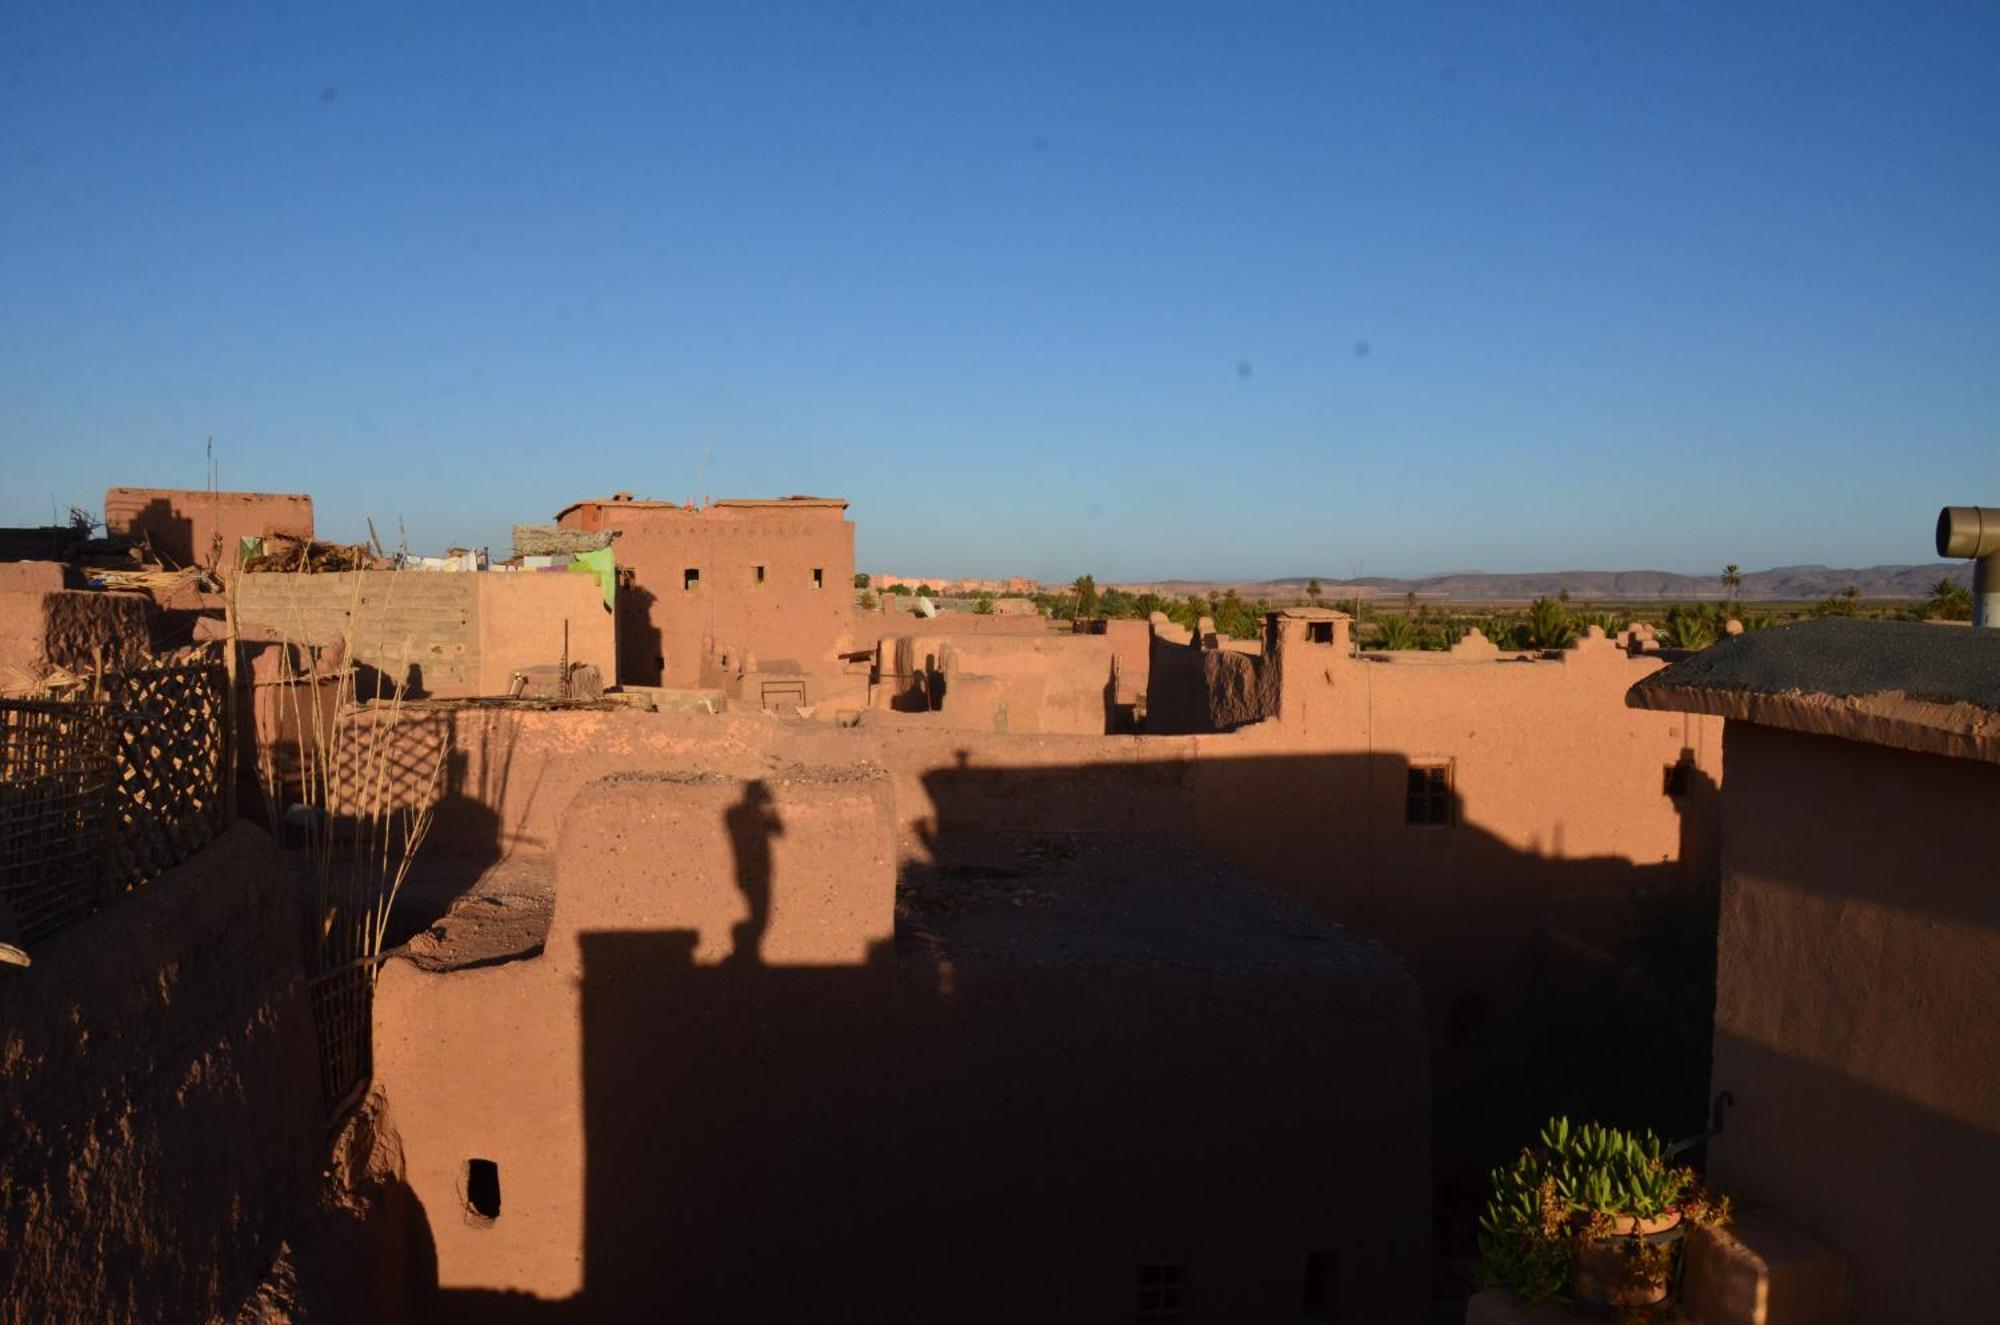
x=707 y=459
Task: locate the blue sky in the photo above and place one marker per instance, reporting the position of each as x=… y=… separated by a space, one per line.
x=1143 y=290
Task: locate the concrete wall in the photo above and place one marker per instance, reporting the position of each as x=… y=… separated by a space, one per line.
x=160 y=1112
x=445 y=634
x=197 y=528
x=41 y=628
x=679 y=636
x=1859 y=973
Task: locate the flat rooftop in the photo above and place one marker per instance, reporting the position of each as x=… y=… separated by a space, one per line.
x=1934 y=689
x=1107 y=902
x=795 y=502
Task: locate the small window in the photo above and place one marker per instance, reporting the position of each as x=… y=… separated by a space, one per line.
x=1468 y=1021
x=482 y=1191
x=690 y=578
x=819 y=577
x=1162 y=1293
x=757 y=574
x=1322 y=1287
x=1679 y=775
x=1429 y=799
x=1319 y=632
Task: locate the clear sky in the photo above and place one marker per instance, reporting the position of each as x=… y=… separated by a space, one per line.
x=1146 y=290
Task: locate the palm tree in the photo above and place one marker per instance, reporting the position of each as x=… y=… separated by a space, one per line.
x=1548 y=625
x=1732 y=581
x=1085 y=589
x=1689 y=627
x=1313 y=591
x=1397 y=632
x=1949 y=601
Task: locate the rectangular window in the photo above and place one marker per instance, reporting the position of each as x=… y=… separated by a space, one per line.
x=1429 y=798
x=689 y=579
x=1162 y=1293
x=819 y=578
x=757 y=574
x=1319 y=632
x=1322 y=1287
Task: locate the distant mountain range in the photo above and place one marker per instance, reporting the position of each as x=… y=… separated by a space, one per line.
x=1778 y=583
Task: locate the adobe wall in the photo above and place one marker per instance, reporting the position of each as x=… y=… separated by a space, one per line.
x=1048 y=683
x=160 y=1110
x=899 y=622
x=671 y=635
x=490 y=1063
x=445 y=634
x=1205 y=684
x=1858 y=973
x=198 y=528
x=674 y=1105
x=42 y=628
x=524 y=618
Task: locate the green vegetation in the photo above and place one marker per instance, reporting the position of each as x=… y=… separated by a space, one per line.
x=1545 y=624
x=1949 y=601
x=1571 y=1190
x=861 y=579
x=984 y=605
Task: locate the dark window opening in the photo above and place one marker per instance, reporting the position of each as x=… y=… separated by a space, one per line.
x=1679 y=775
x=1162 y=1292
x=482 y=1189
x=1322 y=1287
x=1429 y=797
x=758 y=573
x=1319 y=632
x=819 y=578
x=690 y=578
x=1468 y=1021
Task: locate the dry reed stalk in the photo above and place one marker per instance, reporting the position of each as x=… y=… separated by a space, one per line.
x=363 y=825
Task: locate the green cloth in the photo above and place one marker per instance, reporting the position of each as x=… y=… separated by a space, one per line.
x=604 y=566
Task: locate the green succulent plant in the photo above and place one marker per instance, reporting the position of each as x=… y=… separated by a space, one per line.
x=1566 y=1190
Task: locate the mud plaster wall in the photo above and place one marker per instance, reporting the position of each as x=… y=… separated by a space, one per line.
x=1051 y=683
x=1561 y=807
x=1858 y=973
x=1191 y=689
x=785 y=623
x=73 y=628
x=642 y=854
x=197 y=528
x=900 y=1136
x=522 y=620
x=160 y=1097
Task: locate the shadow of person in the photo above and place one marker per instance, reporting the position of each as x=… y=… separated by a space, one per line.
x=752 y=823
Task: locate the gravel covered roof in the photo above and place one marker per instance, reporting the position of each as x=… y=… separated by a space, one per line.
x=1903 y=683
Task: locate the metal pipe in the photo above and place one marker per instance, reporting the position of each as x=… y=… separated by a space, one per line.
x=1974 y=531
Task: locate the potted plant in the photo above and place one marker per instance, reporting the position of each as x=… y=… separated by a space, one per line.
x=1593 y=1214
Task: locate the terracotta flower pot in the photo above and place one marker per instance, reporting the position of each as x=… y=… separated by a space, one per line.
x=1620 y=1268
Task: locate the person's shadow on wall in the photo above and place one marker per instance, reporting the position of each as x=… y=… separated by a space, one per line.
x=751 y=824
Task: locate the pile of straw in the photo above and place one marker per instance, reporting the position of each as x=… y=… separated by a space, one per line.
x=284 y=553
